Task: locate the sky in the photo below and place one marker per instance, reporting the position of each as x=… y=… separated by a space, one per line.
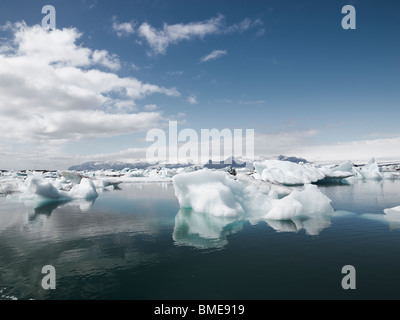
x=110 y=71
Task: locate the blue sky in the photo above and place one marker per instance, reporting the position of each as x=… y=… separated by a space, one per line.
x=284 y=68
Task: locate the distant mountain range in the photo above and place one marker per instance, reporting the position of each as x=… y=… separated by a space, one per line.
x=118 y=165
x=109 y=165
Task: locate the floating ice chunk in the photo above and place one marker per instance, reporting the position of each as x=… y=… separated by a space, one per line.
x=390 y=175
x=371 y=170
x=308 y=202
x=393 y=211
x=288 y=173
x=392 y=216
x=84 y=190
x=346 y=166
x=38 y=185
x=106 y=183
x=284 y=209
x=135 y=173
x=313 y=201
x=336 y=174
x=166 y=172
x=74 y=177
x=9 y=186
x=208 y=191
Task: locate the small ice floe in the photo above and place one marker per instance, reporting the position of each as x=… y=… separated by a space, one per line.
x=37 y=185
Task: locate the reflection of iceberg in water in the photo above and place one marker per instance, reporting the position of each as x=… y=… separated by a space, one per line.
x=203 y=231
x=312 y=225
x=43 y=210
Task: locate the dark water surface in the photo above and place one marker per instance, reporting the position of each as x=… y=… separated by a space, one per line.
x=135 y=243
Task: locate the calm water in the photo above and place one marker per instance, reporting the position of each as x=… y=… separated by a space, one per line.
x=134 y=243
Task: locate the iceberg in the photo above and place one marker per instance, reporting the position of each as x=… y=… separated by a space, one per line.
x=215 y=204
x=393 y=211
x=9 y=186
x=208 y=191
x=71 y=176
x=37 y=185
x=221 y=194
x=288 y=173
x=84 y=190
x=371 y=170
x=304 y=203
x=392 y=217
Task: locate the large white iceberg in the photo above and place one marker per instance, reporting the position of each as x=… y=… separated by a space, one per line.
x=213 y=192
x=221 y=194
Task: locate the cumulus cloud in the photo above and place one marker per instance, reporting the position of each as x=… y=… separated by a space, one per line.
x=102 y=57
x=160 y=39
x=123 y=29
x=54 y=90
x=215 y=54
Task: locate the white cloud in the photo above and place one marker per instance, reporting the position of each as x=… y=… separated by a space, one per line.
x=192 y=99
x=102 y=57
x=361 y=150
x=215 y=54
x=160 y=39
x=150 y=107
x=123 y=29
x=244 y=25
x=302 y=144
x=273 y=144
x=126 y=155
x=52 y=93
